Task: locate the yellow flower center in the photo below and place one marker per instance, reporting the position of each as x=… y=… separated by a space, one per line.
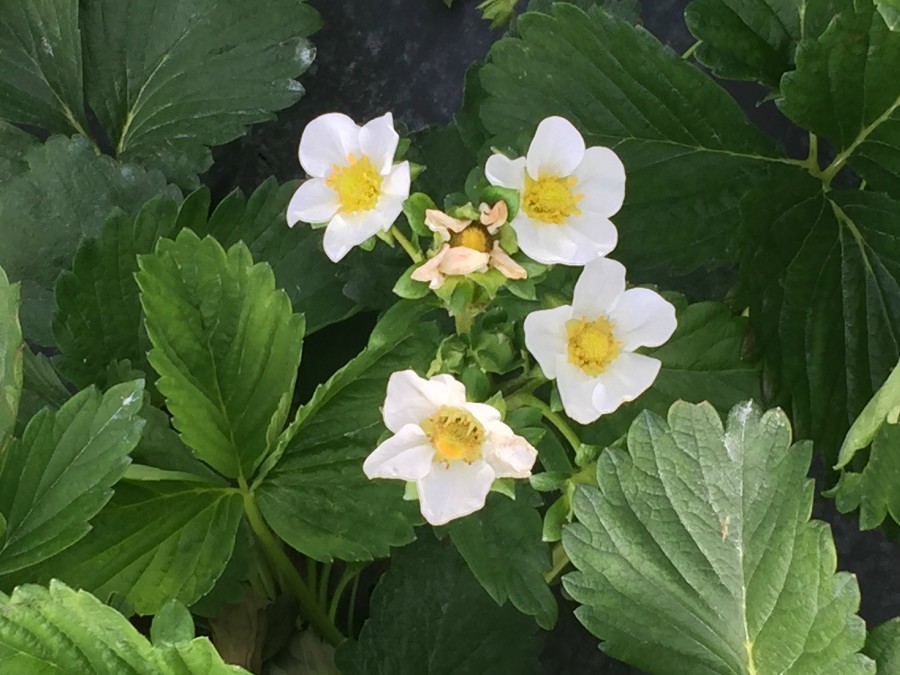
x=475 y=236
x=592 y=345
x=358 y=184
x=551 y=199
x=455 y=435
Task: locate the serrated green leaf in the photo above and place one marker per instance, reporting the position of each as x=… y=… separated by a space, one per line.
x=41 y=65
x=226 y=346
x=696 y=554
x=14 y=146
x=169 y=78
x=428 y=616
x=11 y=349
x=60 y=473
x=875 y=490
x=65 y=631
x=45 y=213
x=859 y=115
x=317 y=498
x=153 y=542
x=503 y=548
x=883 y=645
x=689 y=152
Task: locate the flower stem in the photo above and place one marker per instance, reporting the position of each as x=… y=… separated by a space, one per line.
x=560 y=561
x=523 y=398
x=406 y=244
x=289 y=575
x=689 y=52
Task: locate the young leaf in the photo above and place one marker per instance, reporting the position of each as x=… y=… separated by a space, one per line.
x=11 y=348
x=172 y=624
x=884 y=407
x=875 y=490
x=428 y=616
x=62 y=630
x=695 y=554
x=317 y=497
x=226 y=346
x=883 y=645
x=60 y=474
x=167 y=78
x=688 y=150
x=503 y=548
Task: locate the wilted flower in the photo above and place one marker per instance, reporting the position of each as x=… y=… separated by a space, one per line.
x=588 y=346
x=568 y=195
x=468 y=246
x=453 y=450
x=355 y=186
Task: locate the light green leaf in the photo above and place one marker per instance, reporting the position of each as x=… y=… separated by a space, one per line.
x=883 y=645
x=503 y=548
x=696 y=555
x=317 y=497
x=226 y=346
x=884 y=407
x=172 y=624
x=428 y=616
x=11 y=348
x=40 y=65
x=890 y=11
x=153 y=542
x=65 y=631
x=875 y=490
x=14 y=146
x=45 y=212
x=859 y=115
x=689 y=151
x=60 y=474
x=167 y=78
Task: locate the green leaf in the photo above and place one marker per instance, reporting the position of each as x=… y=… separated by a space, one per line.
x=860 y=116
x=695 y=554
x=890 y=11
x=428 y=616
x=178 y=553
x=172 y=624
x=60 y=474
x=168 y=78
x=11 y=348
x=688 y=150
x=317 y=497
x=14 y=146
x=226 y=346
x=41 y=388
x=47 y=211
x=503 y=548
x=875 y=490
x=702 y=361
x=883 y=645
x=40 y=65
x=884 y=407
x=59 y=630
x=629 y=10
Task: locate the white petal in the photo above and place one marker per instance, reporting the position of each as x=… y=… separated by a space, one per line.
x=454 y=491
x=626 y=378
x=511 y=456
x=601 y=179
x=598 y=289
x=484 y=413
x=327 y=141
x=406 y=456
x=556 y=149
x=643 y=319
x=576 y=389
x=313 y=202
x=411 y=399
x=581 y=239
x=347 y=230
x=378 y=141
x=545 y=336
x=505 y=172
x=396 y=183
x=463 y=260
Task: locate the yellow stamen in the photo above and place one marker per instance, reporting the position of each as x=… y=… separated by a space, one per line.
x=455 y=435
x=592 y=345
x=358 y=184
x=551 y=199
x=475 y=236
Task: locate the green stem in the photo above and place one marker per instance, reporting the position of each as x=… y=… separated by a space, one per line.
x=689 y=52
x=555 y=419
x=308 y=603
x=560 y=560
x=350 y=573
x=406 y=245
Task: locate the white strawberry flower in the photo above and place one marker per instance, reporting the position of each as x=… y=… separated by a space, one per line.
x=568 y=195
x=588 y=346
x=452 y=449
x=354 y=184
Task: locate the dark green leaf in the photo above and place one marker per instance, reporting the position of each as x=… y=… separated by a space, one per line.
x=11 y=348
x=696 y=553
x=226 y=346
x=428 y=616
x=41 y=388
x=629 y=10
x=883 y=645
x=14 y=146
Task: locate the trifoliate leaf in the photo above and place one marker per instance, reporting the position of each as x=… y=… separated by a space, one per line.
x=226 y=345
x=688 y=150
x=859 y=115
x=696 y=553
x=503 y=548
x=317 y=497
x=65 y=631
x=60 y=473
x=883 y=645
x=428 y=616
x=45 y=213
x=875 y=490
x=11 y=350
